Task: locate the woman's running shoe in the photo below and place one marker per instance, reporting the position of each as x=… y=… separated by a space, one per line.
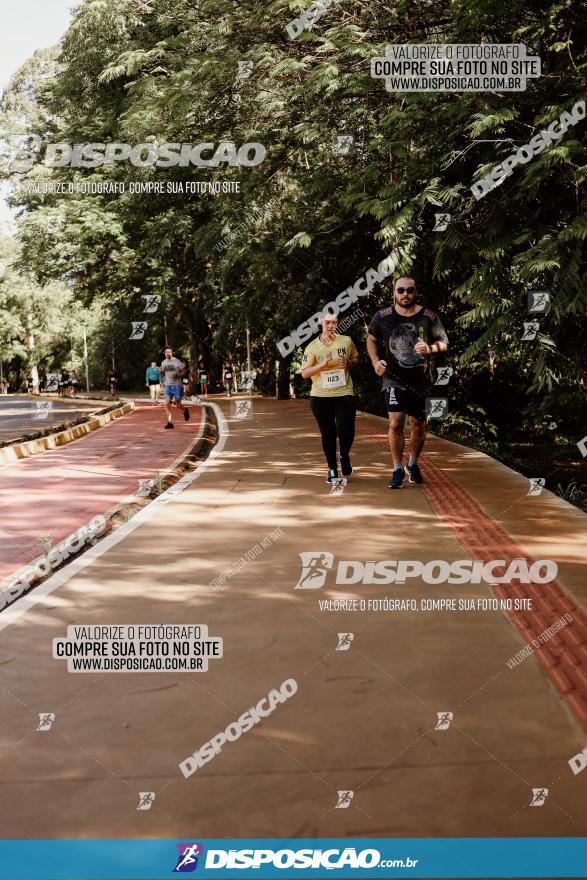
x=346 y=466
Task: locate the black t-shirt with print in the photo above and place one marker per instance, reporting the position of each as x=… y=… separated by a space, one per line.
x=397 y=336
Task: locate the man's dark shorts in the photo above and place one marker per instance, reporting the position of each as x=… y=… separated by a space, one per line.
x=402 y=400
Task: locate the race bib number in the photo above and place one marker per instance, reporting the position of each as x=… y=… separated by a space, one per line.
x=332 y=379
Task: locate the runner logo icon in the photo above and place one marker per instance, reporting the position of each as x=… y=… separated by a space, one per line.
x=314 y=568
x=436 y=407
x=539 y=795
x=441 y=222
x=537 y=484
x=46 y=720
x=443 y=376
x=344 y=799
x=539 y=302
x=139 y=329
x=146 y=799
x=444 y=719
x=531 y=329
x=152 y=303
x=187 y=861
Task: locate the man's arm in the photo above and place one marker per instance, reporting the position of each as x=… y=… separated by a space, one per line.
x=353 y=356
x=440 y=339
x=373 y=351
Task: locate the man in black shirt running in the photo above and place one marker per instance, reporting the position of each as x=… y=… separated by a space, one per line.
x=401 y=338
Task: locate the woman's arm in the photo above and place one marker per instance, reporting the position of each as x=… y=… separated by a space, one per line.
x=310 y=369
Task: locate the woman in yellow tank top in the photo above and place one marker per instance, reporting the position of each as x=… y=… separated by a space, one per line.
x=327 y=361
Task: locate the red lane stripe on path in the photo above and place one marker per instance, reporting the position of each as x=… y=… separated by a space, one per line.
x=564 y=655
x=56 y=492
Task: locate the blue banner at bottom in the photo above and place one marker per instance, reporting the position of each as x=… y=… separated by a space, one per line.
x=304 y=858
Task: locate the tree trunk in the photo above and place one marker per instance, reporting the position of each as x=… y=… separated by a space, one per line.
x=283 y=379
x=194 y=357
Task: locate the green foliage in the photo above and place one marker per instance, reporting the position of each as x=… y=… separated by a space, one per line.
x=170 y=76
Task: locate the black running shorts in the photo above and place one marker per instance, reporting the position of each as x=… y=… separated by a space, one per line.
x=401 y=400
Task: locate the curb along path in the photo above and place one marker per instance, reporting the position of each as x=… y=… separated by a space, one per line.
x=70 y=485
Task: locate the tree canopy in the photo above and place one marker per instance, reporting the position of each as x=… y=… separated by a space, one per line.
x=307 y=221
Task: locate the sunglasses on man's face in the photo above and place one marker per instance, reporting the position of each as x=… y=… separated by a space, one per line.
x=405 y=289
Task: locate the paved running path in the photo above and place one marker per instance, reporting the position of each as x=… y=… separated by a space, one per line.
x=58 y=491
x=363 y=719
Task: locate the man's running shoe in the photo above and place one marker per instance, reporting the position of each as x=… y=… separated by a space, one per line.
x=169 y=425
x=332 y=476
x=397 y=478
x=346 y=467
x=186 y=414
x=414 y=473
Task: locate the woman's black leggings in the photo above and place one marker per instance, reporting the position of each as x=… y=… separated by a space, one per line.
x=336 y=418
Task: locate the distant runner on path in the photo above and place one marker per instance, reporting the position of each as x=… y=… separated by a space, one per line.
x=400 y=340
x=153 y=381
x=228 y=377
x=112 y=382
x=172 y=369
x=203 y=380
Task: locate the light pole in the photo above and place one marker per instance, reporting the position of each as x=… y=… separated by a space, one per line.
x=86 y=360
x=248 y=352
x=32 y=356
